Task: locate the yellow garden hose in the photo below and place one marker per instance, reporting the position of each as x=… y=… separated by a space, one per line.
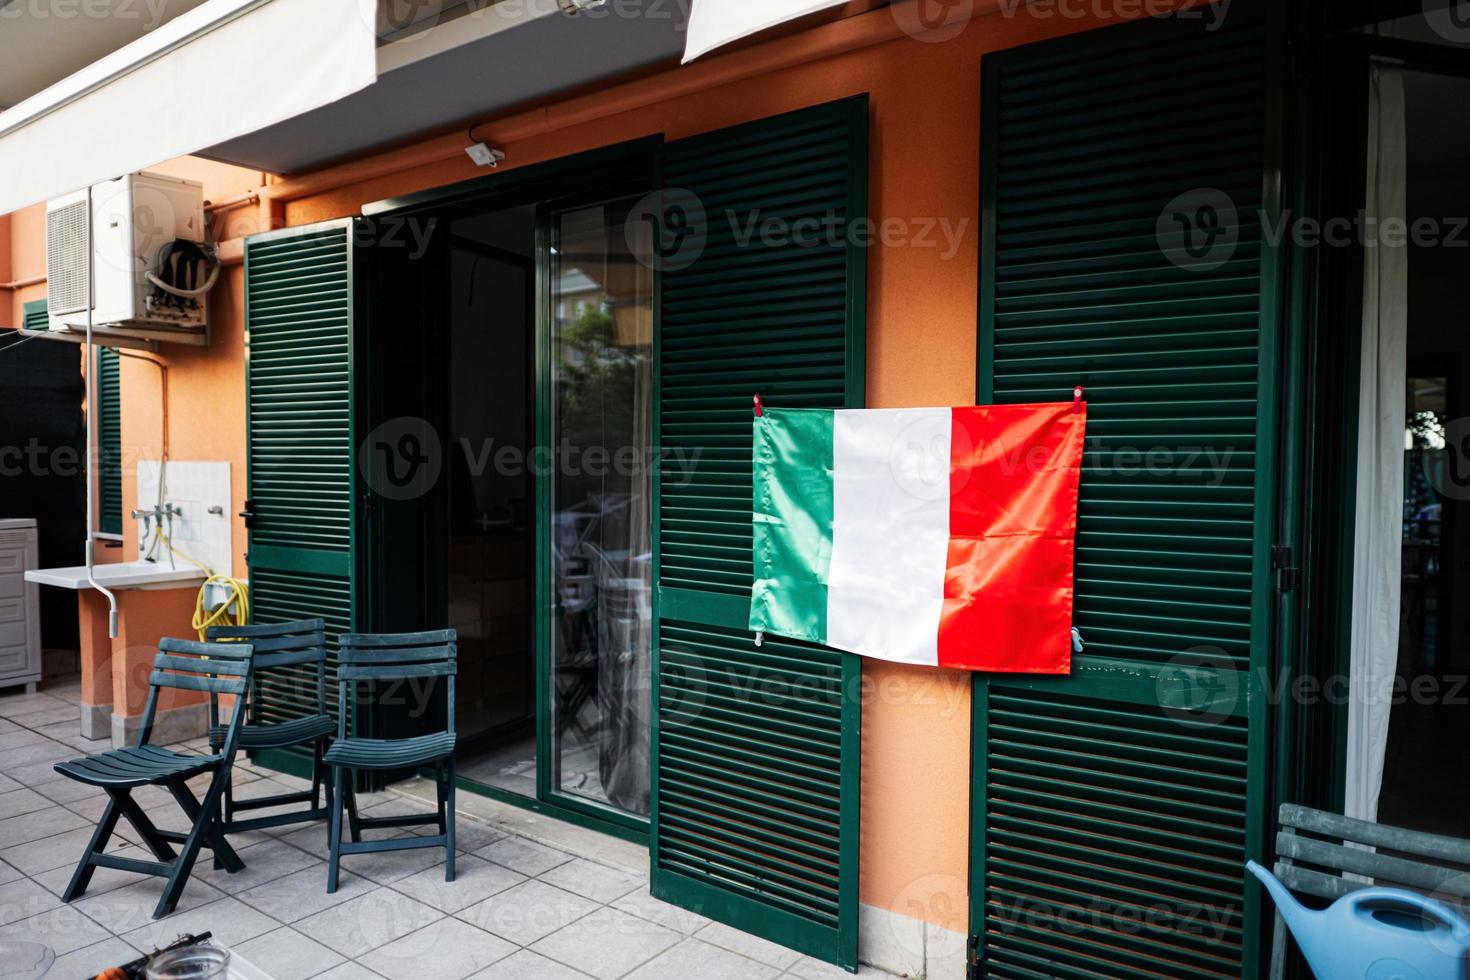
x=239 y=599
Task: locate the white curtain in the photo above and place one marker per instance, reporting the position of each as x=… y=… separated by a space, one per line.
x=1378 y=531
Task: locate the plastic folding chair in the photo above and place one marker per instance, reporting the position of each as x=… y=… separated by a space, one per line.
x=183 y=665
x=411 y=664
x=280 y=650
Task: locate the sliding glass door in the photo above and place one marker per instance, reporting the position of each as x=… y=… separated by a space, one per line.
x=600 y=394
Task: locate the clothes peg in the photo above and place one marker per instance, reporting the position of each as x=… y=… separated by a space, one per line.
x=758 y=406
x=1076 y=400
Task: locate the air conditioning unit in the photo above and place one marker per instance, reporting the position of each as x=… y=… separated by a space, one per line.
x=134 y=252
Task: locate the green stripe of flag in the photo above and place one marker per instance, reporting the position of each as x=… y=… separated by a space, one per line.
x=792 y=522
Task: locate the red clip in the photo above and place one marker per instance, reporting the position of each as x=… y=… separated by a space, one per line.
x=758 y=410
x=1077 y=399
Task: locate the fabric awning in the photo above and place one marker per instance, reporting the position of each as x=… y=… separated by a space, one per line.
x=713 y=23
x=220 y=71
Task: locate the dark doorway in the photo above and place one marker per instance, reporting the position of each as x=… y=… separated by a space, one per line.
x=488 y=434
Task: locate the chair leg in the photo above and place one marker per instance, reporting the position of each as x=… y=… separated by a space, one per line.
x=206 y=821
x=449 y=816
x=82 y=877
x=334 y=836
x=152 y=839
x=354 y=827
x=224 y=855
x=316 y=773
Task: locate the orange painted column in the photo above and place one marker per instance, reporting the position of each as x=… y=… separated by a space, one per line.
x=96 y=664
x=115 y=671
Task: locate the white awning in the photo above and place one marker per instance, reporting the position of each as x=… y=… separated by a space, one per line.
x=713 y=23
x=220 y=71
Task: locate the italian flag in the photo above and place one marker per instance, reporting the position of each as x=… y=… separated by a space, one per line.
x=938 y=536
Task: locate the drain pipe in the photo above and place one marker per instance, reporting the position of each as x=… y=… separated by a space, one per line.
x=93 y=460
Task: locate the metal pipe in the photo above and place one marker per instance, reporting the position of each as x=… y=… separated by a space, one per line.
x=23 y=283
x=93 y=461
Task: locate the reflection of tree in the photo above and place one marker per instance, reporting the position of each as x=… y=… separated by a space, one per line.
x=598 y=380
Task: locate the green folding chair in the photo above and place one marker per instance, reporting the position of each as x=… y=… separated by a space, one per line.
x=402 y=661
x=281 y=650
x=183 y=665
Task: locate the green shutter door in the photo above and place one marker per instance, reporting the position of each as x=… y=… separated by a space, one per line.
x=1114 y=809
x=299 y=319
x=109 y=439
x=755 y=813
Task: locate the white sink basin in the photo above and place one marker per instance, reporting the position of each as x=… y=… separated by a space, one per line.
x=121 y=575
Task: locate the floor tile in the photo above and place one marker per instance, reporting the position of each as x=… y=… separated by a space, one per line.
x=645 y=906
x=131 y=907
x=264 y=862
x=18 y=736
x=303 y=893
x=530 y=911
x=475 y=879
x=37 y=825
x=285 y=954
x=58 y=851
x=692 y=958
x=23 y=898
x=9 y=873
x=607 y=943
x=445 y=950
x=753 y=947
x=590 y=880
x=808 y=968
x=527 y=965
x=63 y=928
x=386 y=867
x=103 y=879
x=351 y=970
x=45 y=750
x=92 y=960
x=22 y=801
x=525 y=856
x=231 y=922
x=364 y=923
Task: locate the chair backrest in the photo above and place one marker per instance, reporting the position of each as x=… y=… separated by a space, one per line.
x=214 y=668
x=281 y=646
x=395 y=657
x=1327 y=855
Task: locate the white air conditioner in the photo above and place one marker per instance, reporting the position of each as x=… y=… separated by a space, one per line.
x=134 y=251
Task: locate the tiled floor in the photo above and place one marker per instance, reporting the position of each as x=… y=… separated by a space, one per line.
x=518 y=909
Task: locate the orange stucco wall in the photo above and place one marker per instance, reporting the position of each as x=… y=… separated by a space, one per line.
x=921 y=351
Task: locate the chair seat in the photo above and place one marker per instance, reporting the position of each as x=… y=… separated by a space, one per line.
x=136 y=766
x=397 y=753
x=297 y=731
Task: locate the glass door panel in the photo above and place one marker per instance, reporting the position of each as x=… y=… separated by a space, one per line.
x=601 y=346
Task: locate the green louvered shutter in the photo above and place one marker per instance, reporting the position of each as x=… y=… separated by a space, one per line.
x=1114 y=809
x=109 y=441
x=299 y=318
x=34 y=316
x=755 y=813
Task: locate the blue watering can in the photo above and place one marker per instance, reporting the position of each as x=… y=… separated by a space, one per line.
x=1375 y=934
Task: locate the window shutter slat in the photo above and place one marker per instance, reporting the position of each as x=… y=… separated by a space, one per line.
x=1115 y=808
x=299 y=322
x=755 y=811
